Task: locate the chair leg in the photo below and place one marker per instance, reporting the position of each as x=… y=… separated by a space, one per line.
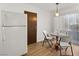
x=48 y=43
x=72 y=51
x=60 y=51
x=51 y=42
x=43 y=42
x=66 y=50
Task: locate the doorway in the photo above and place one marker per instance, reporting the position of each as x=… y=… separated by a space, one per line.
x=31 y=27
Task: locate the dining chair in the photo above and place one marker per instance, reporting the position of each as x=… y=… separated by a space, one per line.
x=47 y=38
x=64 y=44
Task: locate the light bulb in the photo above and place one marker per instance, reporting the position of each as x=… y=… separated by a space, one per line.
x=57 y=14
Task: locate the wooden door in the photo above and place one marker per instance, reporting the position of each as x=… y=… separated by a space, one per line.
x=32 y=27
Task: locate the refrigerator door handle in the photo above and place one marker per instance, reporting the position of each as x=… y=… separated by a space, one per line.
x=15 y=26
x=3 y=31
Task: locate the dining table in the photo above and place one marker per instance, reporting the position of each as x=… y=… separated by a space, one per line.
x=58 y=37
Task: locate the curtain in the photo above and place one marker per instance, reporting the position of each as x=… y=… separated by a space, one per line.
x=69 y=25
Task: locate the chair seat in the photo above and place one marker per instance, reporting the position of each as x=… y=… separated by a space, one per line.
x=49 y=38
x=64 y=44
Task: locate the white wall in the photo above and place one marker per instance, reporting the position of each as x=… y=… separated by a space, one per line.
x=43 y=17
x=43 y=24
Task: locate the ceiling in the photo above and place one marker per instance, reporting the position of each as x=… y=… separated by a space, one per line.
x=52 y=6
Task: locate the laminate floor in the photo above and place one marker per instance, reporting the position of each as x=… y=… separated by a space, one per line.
x=37 y=49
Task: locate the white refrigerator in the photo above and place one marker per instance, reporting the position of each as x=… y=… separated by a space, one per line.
x=13 y=31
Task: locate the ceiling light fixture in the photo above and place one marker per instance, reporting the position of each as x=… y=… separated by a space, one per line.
x=57 y=11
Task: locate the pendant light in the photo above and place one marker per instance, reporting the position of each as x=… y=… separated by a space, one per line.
x=57 y=11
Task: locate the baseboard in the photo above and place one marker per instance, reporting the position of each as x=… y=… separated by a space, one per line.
x=24 y=54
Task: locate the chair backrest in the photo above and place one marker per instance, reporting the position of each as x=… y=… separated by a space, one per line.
x=65 y=38
x=45 y=33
